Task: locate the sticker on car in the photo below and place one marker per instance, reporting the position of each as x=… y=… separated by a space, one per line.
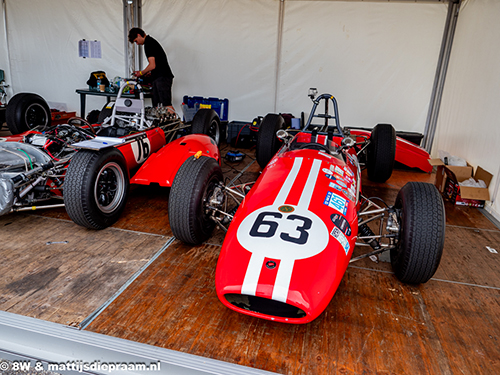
x=339 y=236
x=341 y=222
x=336 y=202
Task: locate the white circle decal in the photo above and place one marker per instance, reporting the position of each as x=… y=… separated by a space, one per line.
x=276 y=234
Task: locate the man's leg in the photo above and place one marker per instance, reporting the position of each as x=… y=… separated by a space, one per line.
x=164 y=87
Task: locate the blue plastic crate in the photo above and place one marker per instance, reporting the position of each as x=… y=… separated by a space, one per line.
x=221 y=106
x=241 y=134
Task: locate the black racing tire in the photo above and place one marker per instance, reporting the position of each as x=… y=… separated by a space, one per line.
x=193 y=184
x=267 y=141
x=422 y=222
x=25 y=111
x=96 y=188
x=206 y=121
x=381 y=153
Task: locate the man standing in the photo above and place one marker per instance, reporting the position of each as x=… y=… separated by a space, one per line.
x=157 y=68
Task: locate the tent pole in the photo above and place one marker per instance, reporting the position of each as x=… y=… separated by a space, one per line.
x=281 y=17
x=440 y=77
x=132 y=17
x=7 y=70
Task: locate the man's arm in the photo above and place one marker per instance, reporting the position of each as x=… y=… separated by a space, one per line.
x=147 y=69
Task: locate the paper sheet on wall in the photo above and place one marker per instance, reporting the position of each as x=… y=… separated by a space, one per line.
x=89 y=48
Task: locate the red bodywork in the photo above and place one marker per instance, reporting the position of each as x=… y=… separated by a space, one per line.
x=162 y=166
x=291 y=239
x=407 y=153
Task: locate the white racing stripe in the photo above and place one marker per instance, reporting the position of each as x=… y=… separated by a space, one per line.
x=285 y=270
x=254 y=267
x=287 y=185
x=305 y=198
x=284 y=276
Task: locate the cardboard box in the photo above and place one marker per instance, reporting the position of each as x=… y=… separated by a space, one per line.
x=447 y=182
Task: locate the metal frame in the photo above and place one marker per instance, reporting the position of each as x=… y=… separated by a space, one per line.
x=440 y=77
x=132 y=17
x=23 y=338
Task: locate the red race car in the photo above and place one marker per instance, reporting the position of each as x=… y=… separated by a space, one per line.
x=89 y=167
x=292 y=235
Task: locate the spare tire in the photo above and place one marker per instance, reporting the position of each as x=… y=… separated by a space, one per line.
x=26 y=111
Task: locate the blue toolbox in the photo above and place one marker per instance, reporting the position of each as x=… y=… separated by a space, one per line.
x=191 y=104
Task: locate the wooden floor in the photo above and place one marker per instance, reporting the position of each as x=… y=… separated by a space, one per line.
x=373 y=325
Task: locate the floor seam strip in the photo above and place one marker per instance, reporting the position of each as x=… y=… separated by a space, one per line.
x=120 y=229
x=89 y=319
x=433 y=279
x=472 y=228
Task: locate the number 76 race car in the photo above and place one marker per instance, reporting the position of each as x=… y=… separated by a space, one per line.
x=88 y=168
x=290 y=237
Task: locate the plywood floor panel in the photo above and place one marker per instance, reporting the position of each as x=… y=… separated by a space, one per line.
x=57 y=271
x=373 y=325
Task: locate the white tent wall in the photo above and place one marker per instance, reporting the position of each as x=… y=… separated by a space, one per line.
x=219 y=48
x=468 y=123
x=378 y=59
x=4 y=51
x=43 y=46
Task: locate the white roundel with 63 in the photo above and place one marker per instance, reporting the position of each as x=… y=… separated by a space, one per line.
x=283 y=232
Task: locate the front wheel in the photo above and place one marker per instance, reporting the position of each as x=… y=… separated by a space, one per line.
x=422 y=230
x=96 y=187
x=267 y=141
x=206 y=121
x=381 y=153
x=194 y=184
x=25 y=111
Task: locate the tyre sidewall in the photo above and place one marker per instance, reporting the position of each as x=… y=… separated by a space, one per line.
x=381 y=153
x=267 y=142
x=94 y=217
x=203 y=122
x=17 y=112
x=188 y=220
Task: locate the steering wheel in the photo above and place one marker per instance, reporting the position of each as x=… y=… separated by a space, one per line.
x=313 y=146
x=79 y=122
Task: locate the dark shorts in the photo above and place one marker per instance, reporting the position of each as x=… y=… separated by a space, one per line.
x=162 y=91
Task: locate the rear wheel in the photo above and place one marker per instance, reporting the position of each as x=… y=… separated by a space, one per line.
x=206 y=121
x=193 y=185
x=422 y=231
x=267 y=141
x=381 y=153
x=96 y=187
x=25 y=111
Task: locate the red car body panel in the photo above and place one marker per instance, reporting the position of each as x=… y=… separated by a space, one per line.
x=407 y=153
x=292 y=237
x=140 y=149
x=161 y=167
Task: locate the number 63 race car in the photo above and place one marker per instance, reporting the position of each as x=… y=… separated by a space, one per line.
x=290 y=237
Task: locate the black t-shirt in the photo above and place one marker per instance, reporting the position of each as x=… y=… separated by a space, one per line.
x=153 y=49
